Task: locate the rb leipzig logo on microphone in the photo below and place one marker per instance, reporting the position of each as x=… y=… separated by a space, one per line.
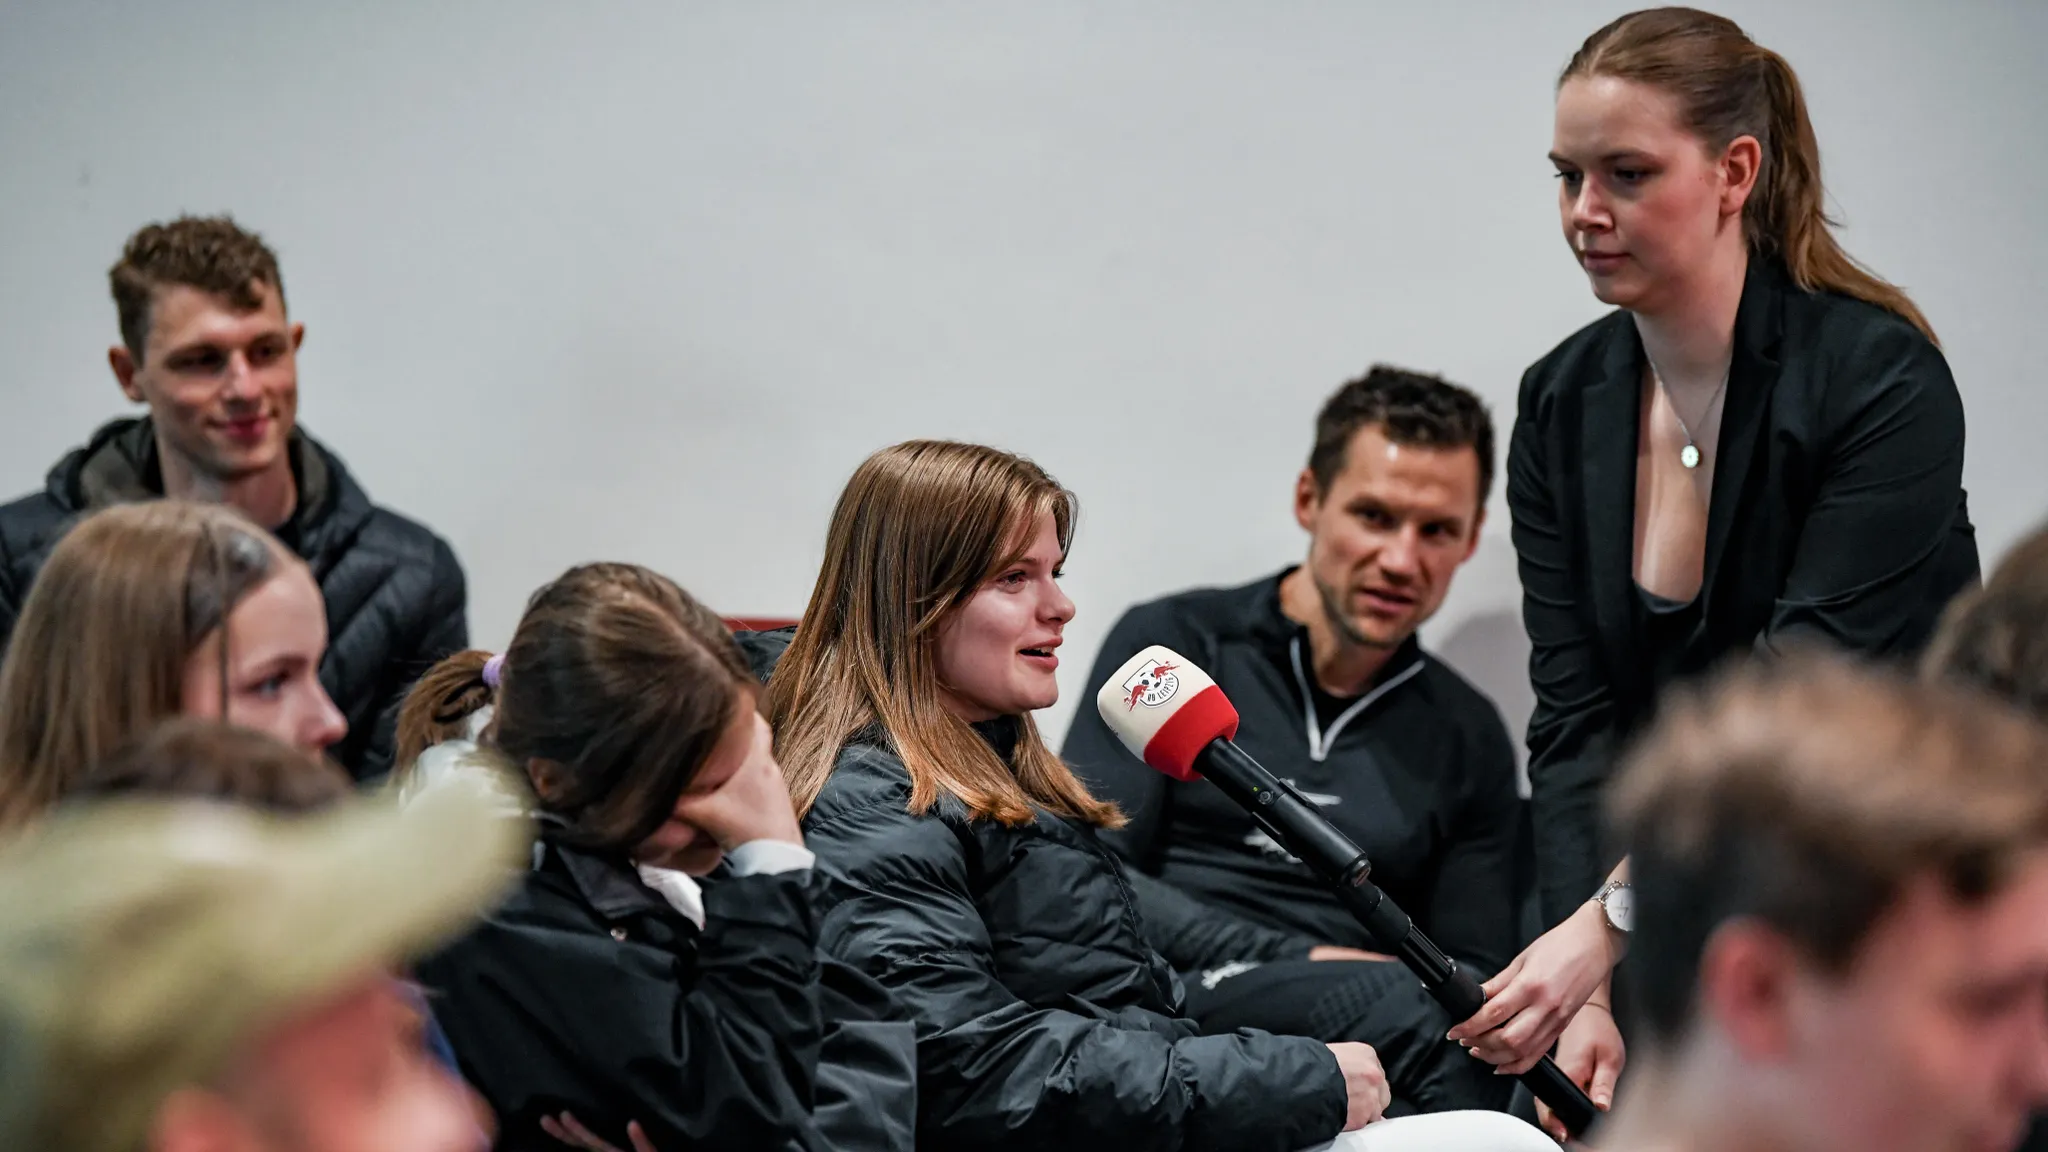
x=1152 y=685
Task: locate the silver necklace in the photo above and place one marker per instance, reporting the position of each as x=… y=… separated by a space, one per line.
x=1690 y=454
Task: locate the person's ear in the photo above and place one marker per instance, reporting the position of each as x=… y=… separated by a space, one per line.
x=1748 y=980
x=298 y=337
x=1478 y=528
x=1741 y=163
x=550 y=780
x=123 y=363
x=1308 y=500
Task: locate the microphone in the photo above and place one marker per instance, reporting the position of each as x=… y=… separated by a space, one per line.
x=1170 y=714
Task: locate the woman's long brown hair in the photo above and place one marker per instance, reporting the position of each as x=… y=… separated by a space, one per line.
x=615 y=690
x=1728 y=86
x=920 y=528
x=100 y=650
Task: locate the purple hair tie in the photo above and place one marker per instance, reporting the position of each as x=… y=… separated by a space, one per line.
x=494 y=670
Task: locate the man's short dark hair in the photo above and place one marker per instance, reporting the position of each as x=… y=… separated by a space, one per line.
x=210 y=253
x=1806 y=794
x=1409 y=408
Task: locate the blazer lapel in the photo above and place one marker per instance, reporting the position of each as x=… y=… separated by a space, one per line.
x=1753 y=371
x=1607 y=446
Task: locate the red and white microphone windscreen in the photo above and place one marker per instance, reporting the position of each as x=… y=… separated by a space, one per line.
x=1165 y=710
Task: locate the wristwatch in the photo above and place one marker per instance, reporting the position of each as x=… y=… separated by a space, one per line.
x=1618 y=900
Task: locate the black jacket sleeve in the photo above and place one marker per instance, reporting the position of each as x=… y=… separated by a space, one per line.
x=443 y=631
x=1572 y=733
x=1870 y=569
x=721 y=1053
x=1195 y=937
x=1470 y=912
x=999 y=1073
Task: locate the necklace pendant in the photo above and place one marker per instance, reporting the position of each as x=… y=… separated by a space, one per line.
x=1689 y=456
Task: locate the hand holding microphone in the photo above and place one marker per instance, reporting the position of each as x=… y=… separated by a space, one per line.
x=1171 y=715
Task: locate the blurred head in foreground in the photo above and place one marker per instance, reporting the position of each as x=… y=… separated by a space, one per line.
x=1842 y=915
x=187 y=975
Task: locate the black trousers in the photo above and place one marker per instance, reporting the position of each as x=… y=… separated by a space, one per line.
x=1372 y=1002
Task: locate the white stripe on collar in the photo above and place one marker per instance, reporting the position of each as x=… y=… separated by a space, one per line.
x=1319 y=741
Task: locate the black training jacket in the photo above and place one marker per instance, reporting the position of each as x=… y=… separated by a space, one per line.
x=1418 y=771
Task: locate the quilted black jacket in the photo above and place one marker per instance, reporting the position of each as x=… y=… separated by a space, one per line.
x=1044 y=1018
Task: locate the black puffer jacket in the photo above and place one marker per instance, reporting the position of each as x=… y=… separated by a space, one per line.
x=588 y=993
x=1044 y=1020
x=396 y=599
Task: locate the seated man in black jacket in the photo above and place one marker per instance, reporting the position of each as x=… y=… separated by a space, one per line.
x=1398 y=751
x=206 y=344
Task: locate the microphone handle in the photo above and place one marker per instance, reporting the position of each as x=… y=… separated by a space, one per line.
x=1295 y=824
x=1455 y=989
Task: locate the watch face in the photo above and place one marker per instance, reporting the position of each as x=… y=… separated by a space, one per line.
x=1621 y=909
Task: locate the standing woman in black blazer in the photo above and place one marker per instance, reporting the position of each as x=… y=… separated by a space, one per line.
x=1761 y=445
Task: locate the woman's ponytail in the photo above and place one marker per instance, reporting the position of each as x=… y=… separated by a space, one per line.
x=440 y=706
x=1787 y=215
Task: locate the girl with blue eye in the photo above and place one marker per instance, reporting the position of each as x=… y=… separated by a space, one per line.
x=1761 y=445
x=152 y=610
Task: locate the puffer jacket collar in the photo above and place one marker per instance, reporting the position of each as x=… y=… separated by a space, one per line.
x=119 y=465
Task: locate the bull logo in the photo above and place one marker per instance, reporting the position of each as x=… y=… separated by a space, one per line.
x=1152 y=685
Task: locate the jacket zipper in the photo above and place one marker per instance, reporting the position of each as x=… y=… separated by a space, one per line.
x=1319 y=742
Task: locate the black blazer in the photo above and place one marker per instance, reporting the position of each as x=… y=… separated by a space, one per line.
x=1837 y=514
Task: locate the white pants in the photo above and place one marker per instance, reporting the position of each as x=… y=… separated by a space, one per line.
x=1444 y=1132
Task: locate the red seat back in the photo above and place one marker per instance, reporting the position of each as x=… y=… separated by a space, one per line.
x=758 y=623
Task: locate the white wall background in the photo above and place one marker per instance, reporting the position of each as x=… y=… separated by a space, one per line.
x=645 y=281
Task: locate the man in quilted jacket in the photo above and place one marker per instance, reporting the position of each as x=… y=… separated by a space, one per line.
x=207 y=345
